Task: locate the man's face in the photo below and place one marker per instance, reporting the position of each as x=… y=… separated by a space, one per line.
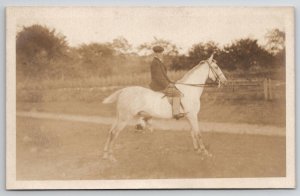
x=159 y=55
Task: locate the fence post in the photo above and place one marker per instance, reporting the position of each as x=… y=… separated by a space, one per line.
x=266 y=88
x=270 y=89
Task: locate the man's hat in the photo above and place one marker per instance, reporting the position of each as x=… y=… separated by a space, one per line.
x=158 y=49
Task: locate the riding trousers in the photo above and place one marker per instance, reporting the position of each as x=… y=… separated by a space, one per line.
x=175 y=94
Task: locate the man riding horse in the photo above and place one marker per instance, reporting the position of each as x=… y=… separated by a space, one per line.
x=137 y=101
x=161 y=82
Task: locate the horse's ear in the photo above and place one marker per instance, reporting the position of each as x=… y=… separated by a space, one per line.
x=211 y=57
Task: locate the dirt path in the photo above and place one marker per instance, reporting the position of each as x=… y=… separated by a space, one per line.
x=167 y=124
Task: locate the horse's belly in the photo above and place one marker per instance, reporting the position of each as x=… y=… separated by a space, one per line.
x=137 y=99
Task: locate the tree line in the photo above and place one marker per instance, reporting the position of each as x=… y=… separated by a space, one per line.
x=44 y=53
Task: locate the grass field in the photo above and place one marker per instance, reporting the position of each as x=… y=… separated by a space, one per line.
x=59 y=150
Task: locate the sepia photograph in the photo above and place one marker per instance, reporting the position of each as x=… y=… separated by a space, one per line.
x=150 y=97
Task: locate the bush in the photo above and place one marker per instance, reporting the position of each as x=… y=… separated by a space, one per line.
x=37 y=47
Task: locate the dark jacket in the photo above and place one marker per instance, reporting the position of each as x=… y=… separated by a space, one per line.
x=159 y=78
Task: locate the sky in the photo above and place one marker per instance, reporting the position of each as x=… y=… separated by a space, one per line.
x=183 y=26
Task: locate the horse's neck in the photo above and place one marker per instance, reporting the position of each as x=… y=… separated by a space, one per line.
x=198 y=75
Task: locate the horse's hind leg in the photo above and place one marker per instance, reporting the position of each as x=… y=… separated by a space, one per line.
x=109 y=139
x=149 y=124
x=141 y=125
x=113 y=134
x=144 y=123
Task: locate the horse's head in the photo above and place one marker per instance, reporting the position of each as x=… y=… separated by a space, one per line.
x=215 y=73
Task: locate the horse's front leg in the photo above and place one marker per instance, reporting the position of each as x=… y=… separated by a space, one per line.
x=197 y=135
x=202 y=148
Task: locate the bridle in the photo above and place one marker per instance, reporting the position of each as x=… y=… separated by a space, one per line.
x=217 y=76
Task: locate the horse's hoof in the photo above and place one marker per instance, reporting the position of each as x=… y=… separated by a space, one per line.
x=204 y=153
x=112 y=159
x=208 y=154
x=105 y=156
x=198 y=151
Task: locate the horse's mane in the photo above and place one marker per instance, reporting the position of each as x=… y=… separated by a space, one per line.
x=187 y=74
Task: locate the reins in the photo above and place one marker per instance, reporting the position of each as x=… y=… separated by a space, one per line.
x=197 y=85
x=204 y=85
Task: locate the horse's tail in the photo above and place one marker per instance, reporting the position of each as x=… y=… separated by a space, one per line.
x=112 y=98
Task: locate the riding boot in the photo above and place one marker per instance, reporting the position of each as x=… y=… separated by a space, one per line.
x=176 y=108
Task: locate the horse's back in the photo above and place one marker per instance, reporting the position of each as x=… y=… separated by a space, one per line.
x=139 y=90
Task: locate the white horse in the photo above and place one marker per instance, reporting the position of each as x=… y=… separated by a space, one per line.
x=135 y=100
